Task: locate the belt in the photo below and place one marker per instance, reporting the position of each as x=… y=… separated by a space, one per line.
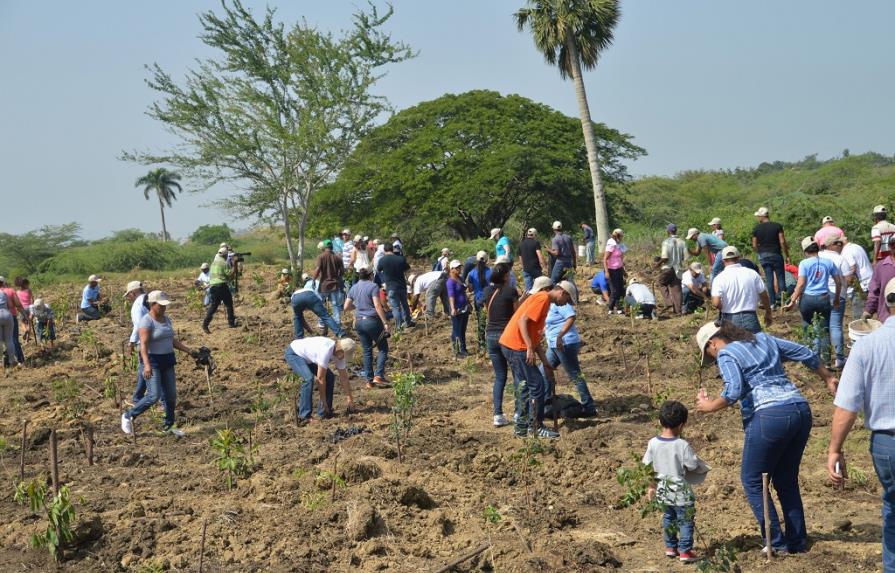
x=886 y=432
x=738 y=313
x=368 y=317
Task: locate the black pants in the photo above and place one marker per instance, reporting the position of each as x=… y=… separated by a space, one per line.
x=220 y=294
x=616 y=288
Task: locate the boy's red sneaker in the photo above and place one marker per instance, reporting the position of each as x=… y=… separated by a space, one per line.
x=688 y=557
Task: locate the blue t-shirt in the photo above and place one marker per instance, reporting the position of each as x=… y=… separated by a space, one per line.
x=89 y=294
x=478 y=287
x=161 y=335
x=556 y=317
x=362 y=294
x=503 y=247
x=714 y=244
x=600 y=281
x=817 y=272
x=338 y=245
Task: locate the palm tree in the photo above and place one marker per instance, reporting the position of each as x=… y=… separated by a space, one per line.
x=163 y=182
x=571 y=34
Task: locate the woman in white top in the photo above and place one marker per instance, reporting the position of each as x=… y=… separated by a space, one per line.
x=359 y=257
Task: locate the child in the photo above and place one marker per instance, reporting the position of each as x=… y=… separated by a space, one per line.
x=203 y=281
x=46 y=324
x=677 y=467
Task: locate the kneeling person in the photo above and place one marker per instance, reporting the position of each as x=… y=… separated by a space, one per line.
x=638 y=295
x=309 y=358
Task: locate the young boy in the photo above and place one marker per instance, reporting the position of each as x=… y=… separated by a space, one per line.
x=677 y=467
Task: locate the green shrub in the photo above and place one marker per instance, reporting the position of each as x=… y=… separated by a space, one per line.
x=212 y=235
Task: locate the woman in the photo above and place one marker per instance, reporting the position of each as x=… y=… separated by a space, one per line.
x=459 y=309
x=6 y=330
x=26 y=298
x=371 y=326
x=813 y=295
x=157 y=344
x=15 y=308
x=359 y=257
x=614 y=263
x=776 y=418
x=501 y=301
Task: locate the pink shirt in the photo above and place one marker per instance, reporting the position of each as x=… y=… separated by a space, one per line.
x=616 y=258
x=25 y=297
x=827 y=231
x=11 y=303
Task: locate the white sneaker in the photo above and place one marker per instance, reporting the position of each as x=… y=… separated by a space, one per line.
x=500 y=420
x=639 y=317
x=127 y=425
x=619 y=312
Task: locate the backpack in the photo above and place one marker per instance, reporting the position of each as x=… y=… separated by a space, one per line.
x=567 y=407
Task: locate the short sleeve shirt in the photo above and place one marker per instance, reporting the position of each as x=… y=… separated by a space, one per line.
x=674 y=251
x=715 y=244
x=535 y=308
x=841 y=264
x=362 y=294
x=528 y=250
x=738 y=288
x=500 y=307
x=767 y=236
x=423 y=282
x=316 y=350
x=641 y=294
x=881 y=233
x=88 y=295
x=616 y=250
x=821 y=235
x=563 y=244
x=503 y=247
x=817 y=272
x=599 y=281
x=693 y=282
x=478 y=282
x=457 y=292
x=161 y=335
x=556 y=317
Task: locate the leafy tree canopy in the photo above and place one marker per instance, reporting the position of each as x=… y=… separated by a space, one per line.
x=212 y=235
x=25 y=252
x=466 y=163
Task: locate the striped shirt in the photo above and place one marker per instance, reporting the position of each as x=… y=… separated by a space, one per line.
x=753 y=373
x=866 y=382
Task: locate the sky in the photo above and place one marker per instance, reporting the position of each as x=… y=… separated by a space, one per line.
x=701 y=84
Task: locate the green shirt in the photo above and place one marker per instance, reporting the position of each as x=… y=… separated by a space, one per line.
x=220 y=271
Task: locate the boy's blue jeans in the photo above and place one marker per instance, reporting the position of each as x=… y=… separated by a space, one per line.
x=677 y=527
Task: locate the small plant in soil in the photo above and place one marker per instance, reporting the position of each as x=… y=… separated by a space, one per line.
x=312 y=500
x=492 y=515
x=234 y=459
x=404 y=389
x=262 y=407
x=87 y=339
x=258 y=301
x=69 y=394
x=4 y=445
x=523 y=461
x=195 y=299
x=152 y=567
x=326 y=480
x=60 y=514
x=110 y=388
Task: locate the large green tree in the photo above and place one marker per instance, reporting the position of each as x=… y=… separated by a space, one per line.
x=571 y=34
x=163 y=183
x=466 y=163
x=24 y=253
x=277 y=112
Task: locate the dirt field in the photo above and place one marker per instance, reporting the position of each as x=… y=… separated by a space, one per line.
x=144 y=504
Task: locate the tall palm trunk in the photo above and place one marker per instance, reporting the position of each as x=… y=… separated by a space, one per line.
x=161 y=206
x=590 y=142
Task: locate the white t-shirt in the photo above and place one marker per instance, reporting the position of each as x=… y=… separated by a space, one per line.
x=841 y=264
x=881 y=233
x=318 y=350
x=738 y=288
x=641 y=294
x=424 y=281
x=856 y=256
x=204 y=278
x=693 y=282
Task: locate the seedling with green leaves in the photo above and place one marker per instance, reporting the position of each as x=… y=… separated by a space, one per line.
x=59 y=511
x=87 y=340
x=68 y=393
x=492 y=515
x=234 y=459
x=404 y=390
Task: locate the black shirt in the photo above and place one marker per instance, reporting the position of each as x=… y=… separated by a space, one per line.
x=467 y=266
x=393 y=268
x=501 y=310
x=749 y=265
x=528 y=250
x=768 y=237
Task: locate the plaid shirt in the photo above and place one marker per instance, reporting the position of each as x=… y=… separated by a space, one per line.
x=866 y=382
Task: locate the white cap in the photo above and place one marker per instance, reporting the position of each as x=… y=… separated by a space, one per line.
x=617 y=231
x=692 y=232
x=532 y=232
x=807 y=242
x=502 y=259
x=832 y=239
x=357 y=238
x=132 y=286
x=223 y=246
x=320 y=246
x=890 y=289
x=495 y=232
x=94 y=278
x=3 y=279
x=730 y=252
x=347 y=345
x=38 y=302
x=762 y=212
x=481 y=256
x=540 y=284
x=633 y=279
x=411 y=278
x=445 y=251
x=826 y=220
x=696 y=267
x=222 y=251
x=284 y=272
x=879 y=209
x=557 y=225
x=366 y=238
x=346 y=231
x=203 y=266
x=705 y=334
x=570 y=288
x=455 y=264
x=158 y=297
x=715 y=221
x=305 y=277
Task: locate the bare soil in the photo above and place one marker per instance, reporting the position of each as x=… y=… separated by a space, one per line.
x=144 y=504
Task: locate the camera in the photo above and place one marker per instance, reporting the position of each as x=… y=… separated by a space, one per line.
x=240 y=257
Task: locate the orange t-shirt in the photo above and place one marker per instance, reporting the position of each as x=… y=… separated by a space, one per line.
x=535 y=308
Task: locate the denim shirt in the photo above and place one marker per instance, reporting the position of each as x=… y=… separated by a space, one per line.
x=753 y=373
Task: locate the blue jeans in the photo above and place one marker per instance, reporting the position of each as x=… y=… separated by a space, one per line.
x=717 y=266
x=308 y=371
x=336 y=299
x=307 y=300
x=775 y=439
x=569 y=360
x=397 y=299
x=459 y=322
x=140 y=390
x=811 y=305
x=590 y=249
x=677 y=527
x=46 y=330
x=162 y=384
x=772 y=263
x=882 y=449
x=690 y=301
x=501 y=369
x=747 y=320
x=529 y=278
x=836 y=333
x=20 y=356
x=558 y=267
x=369 y=331
x=532 y=390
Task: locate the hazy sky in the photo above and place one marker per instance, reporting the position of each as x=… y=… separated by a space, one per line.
x=698 y=83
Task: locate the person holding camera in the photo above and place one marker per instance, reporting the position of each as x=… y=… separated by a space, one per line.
x=221 y=273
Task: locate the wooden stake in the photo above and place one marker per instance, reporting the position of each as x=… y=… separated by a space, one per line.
x=553 y=403
x=649 y=377
x=621 y=344
x=134 y=430
x=87 y=432
x=202 y=545
x=767 y=518
x=465 y=557
x=54 y=461
x=332 y=495
x=208 y=380
x=22 y=458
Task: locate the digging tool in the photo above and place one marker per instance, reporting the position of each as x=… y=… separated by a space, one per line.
x=767 y=518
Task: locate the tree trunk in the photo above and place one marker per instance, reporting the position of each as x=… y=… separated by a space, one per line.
x=287 y=228
x=590 y=142
x=161 y=206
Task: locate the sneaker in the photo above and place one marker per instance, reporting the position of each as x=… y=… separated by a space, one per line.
x=671 y=552
x=174 y=431
x=619 y=312
x=127 y=425
x=688 y=557
x=411 y=324
x=639 y=317
x=500 y=420
x=611 y=312
x=776 y=550
x=545 y=434
x=516 y=417
x=463 y=354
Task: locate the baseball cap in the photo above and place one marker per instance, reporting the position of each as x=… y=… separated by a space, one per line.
x=879 y=209
x=445 y=251
x=347 y=346
x=730 y=252
x=890 y=290
x=826 y=220
x=94 y=278
x=203 y=266
x=284 y=272
x=158 y=297
x=502 y=259
x=570 y=288
x=222 y=251
x=357 y=238
x=223 y=246
x=617 y=232
x=132 y=286
x=532 y=232
x=557 y=225
x=672 y=228
x=494 y=232
x=762 y=212
x=455 y=264
x=705 y=334
x=715 y=221
x=346 y=231
x=832 y=240
x=692 y=232
x=366 y=238
x=540 y=284
x=327 y=244
x=481 y=256
x=305 y=277
x=696 y=267
x=2 y=279
x=633 y=280
x=807 y=242
x=394 y=236
x=38 y=302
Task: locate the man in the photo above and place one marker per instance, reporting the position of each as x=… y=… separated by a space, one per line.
x=564 y=251
x=862 y=271
x=866 y=385
x=219 y=290
x=329 y=273
x=468 y=265
x=91 y=300
x=832 y=250
x=532 y=258
x=136 y=295
x=695 y=288
x=203 y=281
x=309 y=358
x=599 y=285
x=392 y=268
x=827 y=229
x=433 y=284
x=736 y=292
x=306 y=298
x=769 y=241
x=880 y=234
x=708 y=244
x=521 y=344
x=671 y=263
x=397 y=245
x=590 y=243
x=883 y=272
x=442 y=263
x=502 y=248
